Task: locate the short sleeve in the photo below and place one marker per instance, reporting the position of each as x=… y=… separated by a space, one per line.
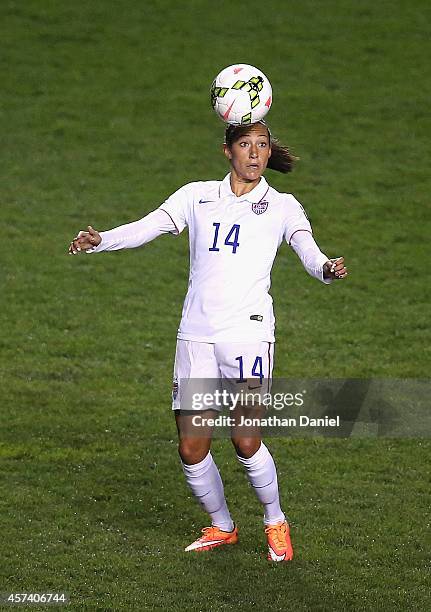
x=178 y=205
x=295 y=218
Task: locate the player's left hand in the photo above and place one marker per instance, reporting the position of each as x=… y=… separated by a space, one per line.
x=335 y=269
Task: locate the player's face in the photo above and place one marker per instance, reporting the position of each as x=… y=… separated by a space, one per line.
x=249 y=154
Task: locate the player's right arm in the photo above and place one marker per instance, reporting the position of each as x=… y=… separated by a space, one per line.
x=171 y=217
x=129 y=236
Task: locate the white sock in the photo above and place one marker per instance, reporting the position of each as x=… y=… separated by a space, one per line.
x=206 y=484
x=262 y=475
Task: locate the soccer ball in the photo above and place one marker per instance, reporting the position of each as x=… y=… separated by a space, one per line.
x=241 y=94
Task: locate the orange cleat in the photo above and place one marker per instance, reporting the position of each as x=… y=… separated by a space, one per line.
x=279 y=544
x=213 y=537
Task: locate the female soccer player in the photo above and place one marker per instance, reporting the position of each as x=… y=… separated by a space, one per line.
x=227 y=328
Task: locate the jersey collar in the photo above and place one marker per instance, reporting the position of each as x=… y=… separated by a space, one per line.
x=253 y=196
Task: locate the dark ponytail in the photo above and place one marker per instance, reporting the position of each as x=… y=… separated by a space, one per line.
x=281 y=158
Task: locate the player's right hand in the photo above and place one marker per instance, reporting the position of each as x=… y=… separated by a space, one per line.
x=84 y=241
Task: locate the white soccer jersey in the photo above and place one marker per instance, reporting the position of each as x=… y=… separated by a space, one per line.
x=233 y=243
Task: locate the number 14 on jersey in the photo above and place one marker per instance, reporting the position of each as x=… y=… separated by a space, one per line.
x=230 y=240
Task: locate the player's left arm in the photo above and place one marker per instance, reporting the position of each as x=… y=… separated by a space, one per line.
x=314 y=261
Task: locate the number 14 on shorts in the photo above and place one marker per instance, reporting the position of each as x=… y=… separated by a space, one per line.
x=256 y=370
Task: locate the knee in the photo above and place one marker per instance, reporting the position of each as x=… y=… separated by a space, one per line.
x=246 y=447
x=193 y=450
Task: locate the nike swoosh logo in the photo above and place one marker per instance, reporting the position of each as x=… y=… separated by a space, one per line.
x=196 y=545
x=274 y=555
x=251 y=388
x=227 y=113
x=205 y=201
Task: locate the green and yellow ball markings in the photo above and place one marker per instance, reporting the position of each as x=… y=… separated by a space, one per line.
x=253 y=86
x=217 y=92
x=246 y=119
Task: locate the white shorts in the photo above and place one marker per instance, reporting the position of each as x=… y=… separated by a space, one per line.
x=231 y=365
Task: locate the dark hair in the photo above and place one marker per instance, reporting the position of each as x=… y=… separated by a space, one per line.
x=281 y=158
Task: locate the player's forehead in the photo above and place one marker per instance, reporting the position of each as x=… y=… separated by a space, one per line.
x=256 y=133
x=256 y=130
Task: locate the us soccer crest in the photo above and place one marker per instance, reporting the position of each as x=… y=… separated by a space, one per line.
x=175 y=387
x=259 y=207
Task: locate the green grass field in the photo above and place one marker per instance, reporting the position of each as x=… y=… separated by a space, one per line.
x=105 y=112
